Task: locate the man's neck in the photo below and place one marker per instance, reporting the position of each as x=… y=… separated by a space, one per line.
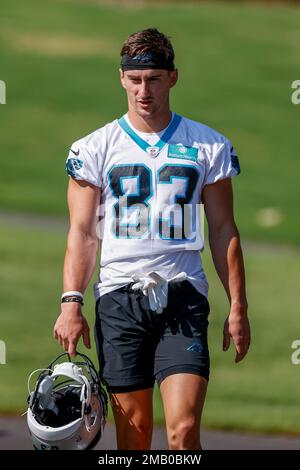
x=153 y=124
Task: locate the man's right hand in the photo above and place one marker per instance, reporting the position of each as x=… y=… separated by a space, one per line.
x=69 y=326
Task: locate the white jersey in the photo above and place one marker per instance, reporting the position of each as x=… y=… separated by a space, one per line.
x=151 y=186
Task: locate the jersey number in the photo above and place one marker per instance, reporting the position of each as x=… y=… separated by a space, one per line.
x=135 y=204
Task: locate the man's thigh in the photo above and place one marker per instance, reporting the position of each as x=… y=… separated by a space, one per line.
x=183 y=398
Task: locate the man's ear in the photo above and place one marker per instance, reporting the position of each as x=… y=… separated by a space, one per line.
x=122 y=78
x=173 y=77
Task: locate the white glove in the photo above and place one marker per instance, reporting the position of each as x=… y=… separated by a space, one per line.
x=155 y=287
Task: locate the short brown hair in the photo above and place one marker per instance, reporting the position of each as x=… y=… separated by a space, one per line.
x=148 y=40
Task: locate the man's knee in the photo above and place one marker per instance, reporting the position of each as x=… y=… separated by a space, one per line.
x=134 y=434
x=142 y=429
x=185 y=434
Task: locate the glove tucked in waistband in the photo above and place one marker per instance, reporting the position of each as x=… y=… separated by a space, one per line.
x=156 y=288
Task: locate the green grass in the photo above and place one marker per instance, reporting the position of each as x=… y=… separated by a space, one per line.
x=59 y=59
x=259 y=394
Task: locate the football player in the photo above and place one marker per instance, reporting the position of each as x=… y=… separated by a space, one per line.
x=137 y=184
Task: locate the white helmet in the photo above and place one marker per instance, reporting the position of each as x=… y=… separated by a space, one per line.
x=68 y=407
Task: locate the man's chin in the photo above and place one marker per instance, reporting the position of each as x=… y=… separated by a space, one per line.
x=145 y=112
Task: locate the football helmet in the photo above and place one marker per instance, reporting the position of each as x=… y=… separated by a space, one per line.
x=68 y=406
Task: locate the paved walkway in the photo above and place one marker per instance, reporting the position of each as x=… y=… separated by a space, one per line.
x=14 y=435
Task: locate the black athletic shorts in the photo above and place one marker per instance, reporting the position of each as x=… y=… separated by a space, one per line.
x=136 y=345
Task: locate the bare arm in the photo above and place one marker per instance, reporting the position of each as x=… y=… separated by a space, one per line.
x=80 y=258
x=227 y=255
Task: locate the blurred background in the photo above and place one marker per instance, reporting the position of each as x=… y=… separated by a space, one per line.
x=237 y=61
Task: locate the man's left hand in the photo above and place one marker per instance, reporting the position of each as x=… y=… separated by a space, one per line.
x=237 y=327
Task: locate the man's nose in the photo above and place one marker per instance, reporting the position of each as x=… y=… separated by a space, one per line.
x=144 y=90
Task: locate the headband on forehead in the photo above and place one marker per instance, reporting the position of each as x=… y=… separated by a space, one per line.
x=146 y=61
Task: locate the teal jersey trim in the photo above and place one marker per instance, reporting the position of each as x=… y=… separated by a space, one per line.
x=141 y=142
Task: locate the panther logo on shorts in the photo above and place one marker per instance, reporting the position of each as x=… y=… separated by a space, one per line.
x=195 y=347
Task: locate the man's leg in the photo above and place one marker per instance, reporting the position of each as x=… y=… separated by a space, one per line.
x=183 y=398
x=133 y=415
x=123 y=332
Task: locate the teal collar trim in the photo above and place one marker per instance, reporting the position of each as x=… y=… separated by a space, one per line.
x=141 y=142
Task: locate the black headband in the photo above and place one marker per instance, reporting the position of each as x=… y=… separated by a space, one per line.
x=147 y=61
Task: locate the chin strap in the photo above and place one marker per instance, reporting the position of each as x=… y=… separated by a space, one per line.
x=156 y=288
x=85 y=398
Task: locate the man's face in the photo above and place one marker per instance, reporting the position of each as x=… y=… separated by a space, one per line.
x=148 y=90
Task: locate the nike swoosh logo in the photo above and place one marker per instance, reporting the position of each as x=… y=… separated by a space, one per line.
x=75 y=153
x=192 y=307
